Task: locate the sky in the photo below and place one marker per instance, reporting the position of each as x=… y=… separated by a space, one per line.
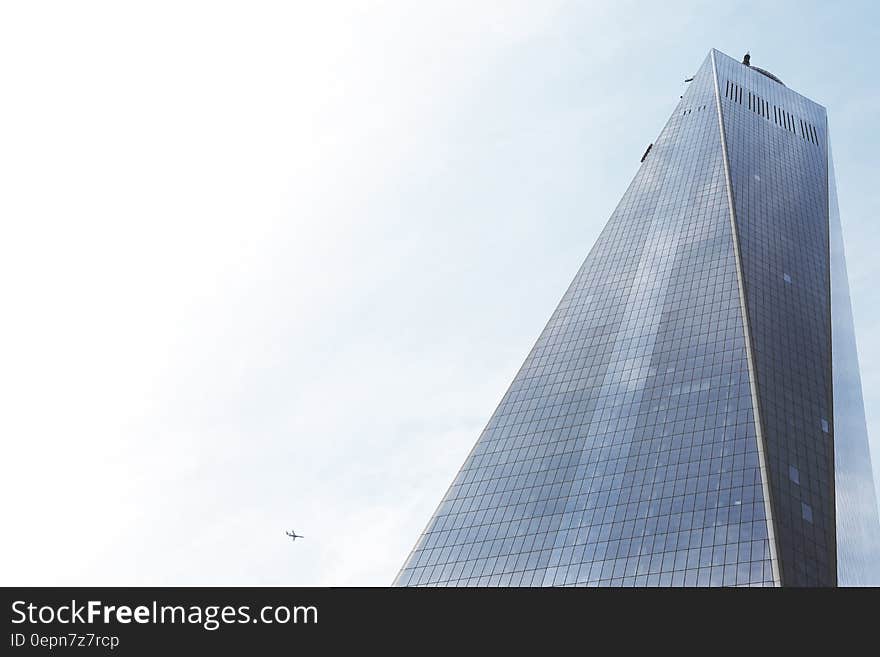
x=270 y=266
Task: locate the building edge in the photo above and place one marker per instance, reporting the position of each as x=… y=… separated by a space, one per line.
x=753 y=382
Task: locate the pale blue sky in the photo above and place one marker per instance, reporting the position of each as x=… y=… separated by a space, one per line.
x=269 y=266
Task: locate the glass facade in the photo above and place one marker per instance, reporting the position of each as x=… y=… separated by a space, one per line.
x=858 y=528
x=779 y=186
x=672 y=424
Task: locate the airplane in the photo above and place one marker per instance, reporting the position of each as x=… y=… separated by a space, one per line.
x=294 y=535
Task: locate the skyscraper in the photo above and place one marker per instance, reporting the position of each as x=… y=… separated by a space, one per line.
x=692 y=412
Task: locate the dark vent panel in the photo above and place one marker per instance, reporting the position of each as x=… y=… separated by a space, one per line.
x=784 y=119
